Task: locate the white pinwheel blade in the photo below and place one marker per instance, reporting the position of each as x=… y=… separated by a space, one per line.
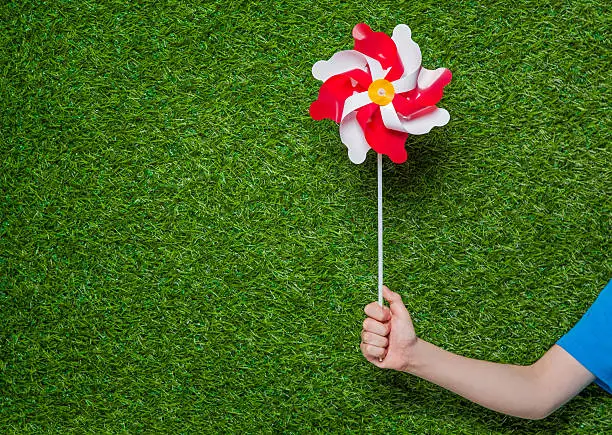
x=354 y=102
x=410 y=55
x=424 y=124
x=352 y=136
x=339 y=63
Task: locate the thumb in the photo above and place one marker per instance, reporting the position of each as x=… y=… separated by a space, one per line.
x=396 y=305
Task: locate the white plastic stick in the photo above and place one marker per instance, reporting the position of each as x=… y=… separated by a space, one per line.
x=380 y=231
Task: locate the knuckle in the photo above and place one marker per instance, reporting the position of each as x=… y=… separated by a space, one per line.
x=366 y=323
x=380 y=313
x=395 y=297
x=364 y=336
x=382 y=329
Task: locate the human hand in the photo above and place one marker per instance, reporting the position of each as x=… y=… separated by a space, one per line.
x=388 y=338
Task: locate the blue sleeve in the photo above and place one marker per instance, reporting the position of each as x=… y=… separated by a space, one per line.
x=590 y=340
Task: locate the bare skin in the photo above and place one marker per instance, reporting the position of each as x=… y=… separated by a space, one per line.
x=388 y=341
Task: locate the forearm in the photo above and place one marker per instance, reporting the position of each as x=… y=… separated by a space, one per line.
x=506 y=388
x=388 y=340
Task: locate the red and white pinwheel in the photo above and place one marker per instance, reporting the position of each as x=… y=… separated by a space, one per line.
x=379 y=93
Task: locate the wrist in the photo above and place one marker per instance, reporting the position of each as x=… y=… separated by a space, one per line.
x=416 y=357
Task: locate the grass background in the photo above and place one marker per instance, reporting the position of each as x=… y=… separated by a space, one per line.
x=182 y=249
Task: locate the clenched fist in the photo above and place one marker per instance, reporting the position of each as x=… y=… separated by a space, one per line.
x=388 y=337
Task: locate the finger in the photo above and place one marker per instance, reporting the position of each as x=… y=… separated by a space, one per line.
x=396 y=305
x=376 y=327
x=377 y=312
x=373 y=352
x=367 y=356
x=374 y=339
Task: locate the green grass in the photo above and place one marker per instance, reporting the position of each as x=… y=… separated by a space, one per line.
x=183 y=250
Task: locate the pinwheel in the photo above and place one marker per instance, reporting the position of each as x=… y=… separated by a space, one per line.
x=379 y=94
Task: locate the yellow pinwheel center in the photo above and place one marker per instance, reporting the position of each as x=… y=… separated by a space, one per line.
x=381 y=92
